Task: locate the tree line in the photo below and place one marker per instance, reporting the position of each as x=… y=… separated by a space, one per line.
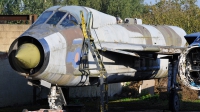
x=182 y=13
x=122 y=8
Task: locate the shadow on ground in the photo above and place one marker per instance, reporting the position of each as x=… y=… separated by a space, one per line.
x=115 y=105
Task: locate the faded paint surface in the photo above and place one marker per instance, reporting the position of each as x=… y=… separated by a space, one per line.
x=142 y=44
x=13 y=88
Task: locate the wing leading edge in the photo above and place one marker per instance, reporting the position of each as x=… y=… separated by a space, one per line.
x=133 y=49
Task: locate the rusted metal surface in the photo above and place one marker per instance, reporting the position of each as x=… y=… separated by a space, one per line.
x=14 y=17
x=5 y=18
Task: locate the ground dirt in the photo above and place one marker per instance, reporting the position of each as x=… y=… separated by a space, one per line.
x=125 y=102
x=131 y=90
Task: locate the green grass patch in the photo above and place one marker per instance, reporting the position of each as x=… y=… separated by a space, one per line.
x=124 y=104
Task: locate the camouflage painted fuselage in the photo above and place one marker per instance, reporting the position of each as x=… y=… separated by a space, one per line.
x=60 y=48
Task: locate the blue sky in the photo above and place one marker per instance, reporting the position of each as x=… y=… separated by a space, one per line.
x=149 y=1
x=153 y=2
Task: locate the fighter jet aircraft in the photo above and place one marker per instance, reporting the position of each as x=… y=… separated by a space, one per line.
x=80 y=46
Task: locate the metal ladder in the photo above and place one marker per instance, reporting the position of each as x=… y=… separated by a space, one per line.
x=89 y=43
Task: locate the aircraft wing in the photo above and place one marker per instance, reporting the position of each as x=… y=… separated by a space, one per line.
x=132 y=49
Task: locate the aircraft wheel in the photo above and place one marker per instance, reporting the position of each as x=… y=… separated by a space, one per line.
x=174 y=102
x=59 y=106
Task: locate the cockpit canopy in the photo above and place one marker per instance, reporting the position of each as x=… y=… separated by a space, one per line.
x=68 y=16
x=57 y=18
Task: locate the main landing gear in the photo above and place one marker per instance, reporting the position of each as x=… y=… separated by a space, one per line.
x=173 y=86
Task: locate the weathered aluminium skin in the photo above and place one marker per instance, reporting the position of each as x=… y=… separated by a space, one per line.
x=133 y=51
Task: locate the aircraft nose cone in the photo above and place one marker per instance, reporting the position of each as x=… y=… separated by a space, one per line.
x=28 y=56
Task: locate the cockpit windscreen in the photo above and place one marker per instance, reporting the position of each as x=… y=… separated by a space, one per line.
x=43 y=17
x=56 y=18
x=69 y=21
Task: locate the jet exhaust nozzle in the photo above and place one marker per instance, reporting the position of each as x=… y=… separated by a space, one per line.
x=189 y=67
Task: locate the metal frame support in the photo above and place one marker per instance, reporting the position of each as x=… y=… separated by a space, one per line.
x=89 y=43
x=173 y=86
x=5 y=18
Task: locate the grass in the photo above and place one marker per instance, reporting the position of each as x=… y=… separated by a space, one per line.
x=125 y=104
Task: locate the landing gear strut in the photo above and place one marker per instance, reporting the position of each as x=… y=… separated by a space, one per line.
x=56 y=98
x=173 y=86
x=174 y=102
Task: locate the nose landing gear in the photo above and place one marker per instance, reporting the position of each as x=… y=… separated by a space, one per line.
x=56 y=98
